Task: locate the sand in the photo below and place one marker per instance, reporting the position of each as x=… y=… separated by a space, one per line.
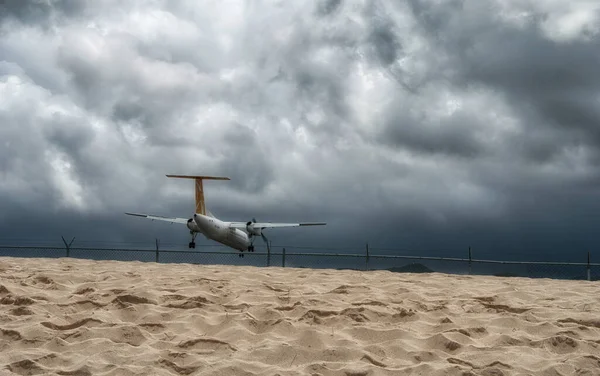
x=84 y=317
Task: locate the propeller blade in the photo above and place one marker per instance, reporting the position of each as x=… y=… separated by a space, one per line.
x=264 y=237
x=253 y=220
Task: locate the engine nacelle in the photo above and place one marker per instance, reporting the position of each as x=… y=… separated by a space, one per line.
x=192 y=225
x=253 y=230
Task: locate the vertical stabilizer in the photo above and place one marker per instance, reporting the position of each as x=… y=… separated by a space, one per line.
x=199 y=188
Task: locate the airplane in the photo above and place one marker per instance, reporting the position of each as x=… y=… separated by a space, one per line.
x=237 y=235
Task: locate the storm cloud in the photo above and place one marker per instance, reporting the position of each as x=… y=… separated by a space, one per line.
x=418 y=124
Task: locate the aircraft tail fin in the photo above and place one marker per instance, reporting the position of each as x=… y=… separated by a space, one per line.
x=200 y=204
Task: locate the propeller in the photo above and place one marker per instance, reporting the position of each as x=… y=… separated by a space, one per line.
x=253 y=232
x=262 y=235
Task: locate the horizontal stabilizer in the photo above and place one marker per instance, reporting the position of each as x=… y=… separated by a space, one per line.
x=198 y=177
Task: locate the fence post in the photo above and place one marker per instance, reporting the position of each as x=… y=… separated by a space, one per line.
x=469 y=260
x=367 y=266
x=68 y=246
x=283 y=258
x=589 y=271
x=157 y=243
x=268 y=253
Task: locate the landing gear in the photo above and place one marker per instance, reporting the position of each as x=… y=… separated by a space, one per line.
x=250 y=249
x=192 y=244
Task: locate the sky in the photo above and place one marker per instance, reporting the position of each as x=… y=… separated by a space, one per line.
x=416 y=125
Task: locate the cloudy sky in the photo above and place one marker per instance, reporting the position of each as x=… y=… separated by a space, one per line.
x=417 y=124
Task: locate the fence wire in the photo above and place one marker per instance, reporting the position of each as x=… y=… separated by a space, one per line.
x=300 y=257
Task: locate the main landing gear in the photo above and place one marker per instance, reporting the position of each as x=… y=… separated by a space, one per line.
x=250 y=249
x=192 y=244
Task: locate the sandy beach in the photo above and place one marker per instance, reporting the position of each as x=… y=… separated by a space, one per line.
x=83 y=317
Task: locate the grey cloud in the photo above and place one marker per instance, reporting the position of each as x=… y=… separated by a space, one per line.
x=327 y=7
x=41 y=12
x=112 y=86
x=541 y=146
x=555 y=80
x=526 y=63
x=434 y=18
x=454 y=136
x=128 y=109
x=547 y=84
x=31 y=53
x=30 y=11
x=70 y=134
x=244 y=159
x=384 y=41
x=21 y=138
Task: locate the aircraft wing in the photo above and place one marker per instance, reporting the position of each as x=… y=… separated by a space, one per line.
x=242 y=225
x=159 y=218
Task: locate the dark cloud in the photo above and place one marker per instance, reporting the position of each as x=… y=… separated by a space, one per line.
x=70 y=134
x=41 y=12
x=549 y=83
x=384 y=41
x=408 y=125
x=242 y=156
x=327 y=7
x=457 y=135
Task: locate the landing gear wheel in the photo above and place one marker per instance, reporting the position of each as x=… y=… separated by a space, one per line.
x=241 y=254
x=192 y=244
x=251 y=248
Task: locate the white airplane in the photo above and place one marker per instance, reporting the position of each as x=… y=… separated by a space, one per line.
x=237 y=235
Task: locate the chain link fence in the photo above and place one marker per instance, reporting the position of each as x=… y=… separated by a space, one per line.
x=307 y=257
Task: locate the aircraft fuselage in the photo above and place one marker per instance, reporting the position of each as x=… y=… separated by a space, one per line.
x=219 y=231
